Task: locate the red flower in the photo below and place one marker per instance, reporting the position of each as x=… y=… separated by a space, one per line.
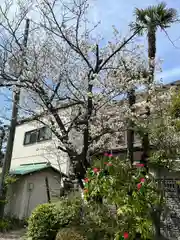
x=85 y=190
x=95 y=170
x=139 y=186
x=86 y=180
x=110 y=155
x=105 y=163
x=139 y=165
x=142 y=180
x=126 y=235
x=106 y=154
x=109 y=164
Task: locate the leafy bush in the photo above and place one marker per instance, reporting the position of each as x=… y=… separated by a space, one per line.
x=47 y=219
x=43 y=222
x=69 y=211
x=99 y=223
x=134 y=195
x=89 y=219
x=69 y=234
x=175 y=105
x=5 y=225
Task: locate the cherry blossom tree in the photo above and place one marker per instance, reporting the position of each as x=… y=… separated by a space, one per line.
x=70 y=78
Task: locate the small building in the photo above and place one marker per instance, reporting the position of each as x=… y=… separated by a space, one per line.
x=38 y=164
x=35 y=184
x=35 y=143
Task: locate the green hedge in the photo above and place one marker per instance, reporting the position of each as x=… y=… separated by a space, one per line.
x=43 y=223
x=69 y=211
x=46 y=219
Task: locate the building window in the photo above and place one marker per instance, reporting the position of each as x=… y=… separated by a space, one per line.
x=37 y=135
x=30 y=137
x=137 y=138
x=44 y=133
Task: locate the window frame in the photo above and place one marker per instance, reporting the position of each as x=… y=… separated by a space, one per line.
x=29 y=132
x=37 y=136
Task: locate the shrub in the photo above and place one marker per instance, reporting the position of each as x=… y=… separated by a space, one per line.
x=5 y=225
x=98 y=222
x=43 y=222
x=69 y=211
x=69 y=234
x=130 y=191
x=47 y=219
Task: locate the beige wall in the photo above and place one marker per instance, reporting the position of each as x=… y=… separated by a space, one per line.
x=37 y=152
x=14 y=198
x=21 y=201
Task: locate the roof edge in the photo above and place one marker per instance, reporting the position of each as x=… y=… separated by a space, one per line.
x=38 y=170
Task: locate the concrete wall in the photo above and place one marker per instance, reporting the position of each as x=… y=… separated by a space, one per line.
x=45 y=151
x=22 y=201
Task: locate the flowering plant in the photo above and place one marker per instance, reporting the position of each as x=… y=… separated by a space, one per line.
x=116 y=183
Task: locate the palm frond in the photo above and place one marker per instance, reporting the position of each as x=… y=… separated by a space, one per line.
x=134 y=26
x=140 y=15
x=165 y=16
x=156 y=16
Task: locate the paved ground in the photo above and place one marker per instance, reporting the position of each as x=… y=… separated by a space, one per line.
x=14 y=235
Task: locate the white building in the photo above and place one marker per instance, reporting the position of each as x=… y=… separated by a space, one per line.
x=35 y=143
x=36 y=159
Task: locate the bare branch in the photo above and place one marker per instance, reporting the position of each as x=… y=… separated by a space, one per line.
x=119 y=48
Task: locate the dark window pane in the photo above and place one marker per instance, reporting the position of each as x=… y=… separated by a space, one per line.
x=30 y=137
x=27 y=138
x=33 y=137
x=44 y=134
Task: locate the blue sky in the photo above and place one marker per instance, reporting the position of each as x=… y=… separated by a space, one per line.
x=120 y=14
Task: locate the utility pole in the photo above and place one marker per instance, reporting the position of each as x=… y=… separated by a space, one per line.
x=2 y=136
x=10 y=142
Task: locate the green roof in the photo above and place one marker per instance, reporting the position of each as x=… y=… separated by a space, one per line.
x=30 y=168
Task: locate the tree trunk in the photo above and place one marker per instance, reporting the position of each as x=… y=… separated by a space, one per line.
x=151 y=56
x=130 y=128
x=157 y=224
x=89 y=109
x=156 y=217
x=79 y=167
x=151 y=51
x=83 y=161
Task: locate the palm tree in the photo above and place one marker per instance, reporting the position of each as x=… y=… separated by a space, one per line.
x=150 y=19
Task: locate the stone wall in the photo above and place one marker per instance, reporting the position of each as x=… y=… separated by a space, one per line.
x=170 y=221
